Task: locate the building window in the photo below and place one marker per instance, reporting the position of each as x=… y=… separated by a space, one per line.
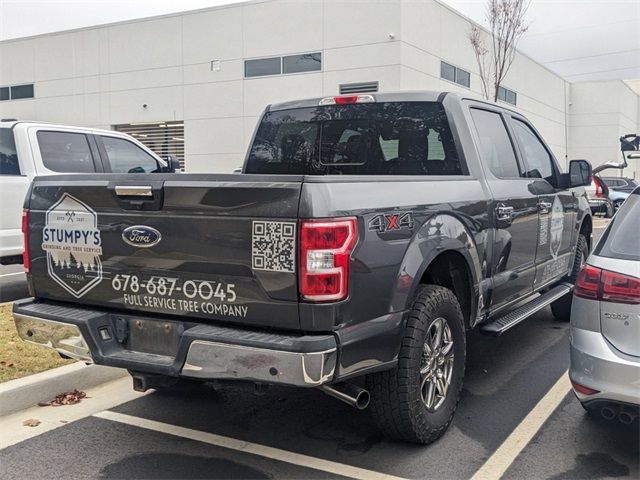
x=262 y=67
x=16 y=92
x=163 y=138
x=366 y=87
x=507 y=95
x=308 y=62
x=455 y=74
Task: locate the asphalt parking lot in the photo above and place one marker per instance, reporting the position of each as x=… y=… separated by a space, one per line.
x=515 y=388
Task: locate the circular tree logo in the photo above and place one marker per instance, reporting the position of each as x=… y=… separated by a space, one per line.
x=557 y=226
x=72 y=241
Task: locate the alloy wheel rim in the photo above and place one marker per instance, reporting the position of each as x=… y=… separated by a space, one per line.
x=436 y=368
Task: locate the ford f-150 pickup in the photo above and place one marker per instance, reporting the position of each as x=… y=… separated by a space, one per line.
x=363 y=237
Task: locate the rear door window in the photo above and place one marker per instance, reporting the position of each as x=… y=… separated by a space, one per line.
x=496 y=149
x=127 y=157
x=394 y=138
x=9 y=164
x=66 y=152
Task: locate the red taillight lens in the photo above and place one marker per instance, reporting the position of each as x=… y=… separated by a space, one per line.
x=620 y=288
x=599 y=190
x=588 y=283
x=346 y=100
x=325 y=248
x=597 y=284
x=26 y=261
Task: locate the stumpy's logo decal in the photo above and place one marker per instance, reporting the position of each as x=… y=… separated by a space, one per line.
x=557 y=226
x=72 y=241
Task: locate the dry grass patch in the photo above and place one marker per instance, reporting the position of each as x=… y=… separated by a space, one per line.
x=19 y=358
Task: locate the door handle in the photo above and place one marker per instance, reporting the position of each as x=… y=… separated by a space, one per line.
x=134 y=191
x=504 y=213
x=544 y=207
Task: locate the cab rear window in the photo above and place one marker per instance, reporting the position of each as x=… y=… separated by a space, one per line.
x=395 y=138
x=8 y=155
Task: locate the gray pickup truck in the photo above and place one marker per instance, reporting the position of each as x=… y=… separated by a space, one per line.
x=363 y=237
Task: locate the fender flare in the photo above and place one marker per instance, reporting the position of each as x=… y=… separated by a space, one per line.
x=443 y=232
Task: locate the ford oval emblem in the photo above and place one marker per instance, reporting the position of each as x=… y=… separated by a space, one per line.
x=141 y=236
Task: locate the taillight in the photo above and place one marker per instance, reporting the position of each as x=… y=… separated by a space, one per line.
x=26 y=261
x=599 y=190
x=325 y=249
x=588 y=283
x=597 y=284
x=620 y=288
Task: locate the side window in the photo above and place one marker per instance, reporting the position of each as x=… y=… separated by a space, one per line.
x=8 y=155
x=496 y=149
x=126 y=157
x=65 y=152
x=535 y=154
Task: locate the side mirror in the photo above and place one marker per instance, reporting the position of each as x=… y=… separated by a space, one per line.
x=173 y=164
x=579 y=173
x=237 y=170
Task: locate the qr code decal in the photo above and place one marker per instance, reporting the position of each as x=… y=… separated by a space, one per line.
x=273 y=246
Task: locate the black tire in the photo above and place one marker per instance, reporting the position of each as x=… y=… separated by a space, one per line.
x=609 y=210
x=397 y=403
x=617 y=204
x=561 y=308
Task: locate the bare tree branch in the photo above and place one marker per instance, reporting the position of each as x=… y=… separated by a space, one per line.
x=506 y=21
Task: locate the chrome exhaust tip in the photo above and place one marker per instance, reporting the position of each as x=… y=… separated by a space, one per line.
x=608 y=413
x=626 y=417
x=348 y=393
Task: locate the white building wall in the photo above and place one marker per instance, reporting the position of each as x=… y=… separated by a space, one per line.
x=102 y=76
x=600 y=113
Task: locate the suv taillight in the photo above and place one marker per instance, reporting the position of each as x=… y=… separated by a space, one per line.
x=599 y=190
x=26 y=261
x=325 y=249
x=597 y=284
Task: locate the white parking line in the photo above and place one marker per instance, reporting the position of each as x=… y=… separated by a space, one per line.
x=503 y=457
x=4 y=275
x=298 y=459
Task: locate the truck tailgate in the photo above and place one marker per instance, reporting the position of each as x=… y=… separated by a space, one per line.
x=217 y=247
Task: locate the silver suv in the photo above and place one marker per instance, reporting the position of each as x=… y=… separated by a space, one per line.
x=605 y=320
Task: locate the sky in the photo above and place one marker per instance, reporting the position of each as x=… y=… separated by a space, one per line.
x=578 y=39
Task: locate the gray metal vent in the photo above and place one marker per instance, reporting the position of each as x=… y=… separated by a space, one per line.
x=366 y=87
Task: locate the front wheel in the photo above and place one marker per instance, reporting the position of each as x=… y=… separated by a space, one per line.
x=561 y=308
x=415 y=401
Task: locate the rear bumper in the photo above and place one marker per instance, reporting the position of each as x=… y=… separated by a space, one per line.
x=598 y=365
x=201 y=351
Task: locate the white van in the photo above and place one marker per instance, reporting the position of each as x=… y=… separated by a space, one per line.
x=29 y=149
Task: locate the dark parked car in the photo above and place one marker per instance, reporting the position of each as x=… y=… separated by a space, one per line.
x=621 y=184
x=364 y=236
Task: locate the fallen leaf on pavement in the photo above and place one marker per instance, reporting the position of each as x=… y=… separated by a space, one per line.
x=67 y=398
x=31 y=422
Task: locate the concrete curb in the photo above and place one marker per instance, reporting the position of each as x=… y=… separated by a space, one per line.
x=22 y=393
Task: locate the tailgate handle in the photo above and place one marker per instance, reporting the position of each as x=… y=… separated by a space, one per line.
x=134 y=191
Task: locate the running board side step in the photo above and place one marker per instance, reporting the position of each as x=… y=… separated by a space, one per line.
x=511 y=319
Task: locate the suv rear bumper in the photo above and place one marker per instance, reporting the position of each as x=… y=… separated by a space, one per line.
x=201 y=351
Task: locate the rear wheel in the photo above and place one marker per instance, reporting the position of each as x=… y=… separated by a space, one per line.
x=415 y=401
x=561 y=308
x=617 y=204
